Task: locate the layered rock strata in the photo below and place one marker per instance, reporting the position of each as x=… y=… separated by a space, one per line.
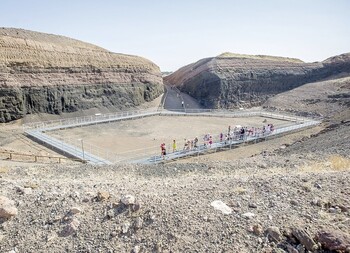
x=231 y=80
x=54 y=74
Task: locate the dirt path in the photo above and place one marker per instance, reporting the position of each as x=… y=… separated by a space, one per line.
x=175 y=97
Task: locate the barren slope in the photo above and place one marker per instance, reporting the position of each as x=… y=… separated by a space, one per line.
x=49 y=73
x=330 y=99
x=232 y=80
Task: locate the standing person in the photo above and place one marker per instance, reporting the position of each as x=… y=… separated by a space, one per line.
x=221 y=136
x=229 y=130
x=163 y=150
x=210 y=141
x=185 y=145
x=195 y=142
x=182 y=104
x=174 y=146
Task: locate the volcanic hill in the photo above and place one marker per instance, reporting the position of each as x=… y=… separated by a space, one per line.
x=53 y=74
x=235 y=80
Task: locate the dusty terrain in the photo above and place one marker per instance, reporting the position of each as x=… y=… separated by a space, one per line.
x=78 y=208
x=280 y=200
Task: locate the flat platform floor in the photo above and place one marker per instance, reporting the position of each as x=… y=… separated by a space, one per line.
x=133 y=138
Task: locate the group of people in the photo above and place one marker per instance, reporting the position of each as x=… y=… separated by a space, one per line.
x=237 y=133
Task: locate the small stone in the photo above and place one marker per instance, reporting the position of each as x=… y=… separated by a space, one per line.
x=294 y=202
x=135 y=207
x=102 y=195
x=85 y=200
x=24 y=191
x=252 y=205
x=318 y=186
x=315 y=201
x=291 y=249
x=75 y=210
x=31 y=185
x=128 y=200
x=221 y=206
x=7 y=208
x=248 y=215
x=257 y=229
x=300 y=248
x=332 y=210
x=138 y=223
x=343 y=208
x=70 y=228
x=51 y=237
x=110 y=213
x=125 y=227
x=136 y=249
x=274 y=233
x=113 y=234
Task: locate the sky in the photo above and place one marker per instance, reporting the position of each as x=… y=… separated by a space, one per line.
x=178 y=32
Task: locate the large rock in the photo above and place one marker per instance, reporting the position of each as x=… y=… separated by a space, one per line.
x=7 y=208
x=334 y=240
x=54 y=74
x=305 y=239
x=232 y=80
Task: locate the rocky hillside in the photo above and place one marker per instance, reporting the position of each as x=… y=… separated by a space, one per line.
x=233 y=80
x=54 y=74
x=329 y=99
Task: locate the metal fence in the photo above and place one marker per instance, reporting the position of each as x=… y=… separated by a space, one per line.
x=94 y=154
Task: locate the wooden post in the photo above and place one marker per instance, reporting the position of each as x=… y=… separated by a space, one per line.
x=10 y=156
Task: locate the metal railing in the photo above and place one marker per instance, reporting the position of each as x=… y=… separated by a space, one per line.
x=95 y=154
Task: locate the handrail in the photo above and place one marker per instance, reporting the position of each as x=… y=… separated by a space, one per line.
x=37 y=130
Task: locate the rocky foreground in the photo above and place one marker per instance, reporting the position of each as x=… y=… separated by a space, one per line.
x=295 y=199
x=234 y=80
x=45 y=73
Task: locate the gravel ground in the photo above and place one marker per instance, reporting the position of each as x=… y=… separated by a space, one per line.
x=268 y=198
x=293 y=197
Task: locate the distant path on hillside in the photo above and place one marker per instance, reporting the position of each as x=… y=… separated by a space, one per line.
x=174 y=98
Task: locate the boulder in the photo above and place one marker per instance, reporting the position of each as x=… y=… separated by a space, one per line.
x=7 y=208
x=274 y=233
x=334 y=240
x=305 y=239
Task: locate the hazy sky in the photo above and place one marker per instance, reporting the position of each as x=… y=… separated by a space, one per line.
x=178 y=32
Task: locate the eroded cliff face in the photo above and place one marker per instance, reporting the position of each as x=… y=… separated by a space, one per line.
x=231 y=80
x=54 y=74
